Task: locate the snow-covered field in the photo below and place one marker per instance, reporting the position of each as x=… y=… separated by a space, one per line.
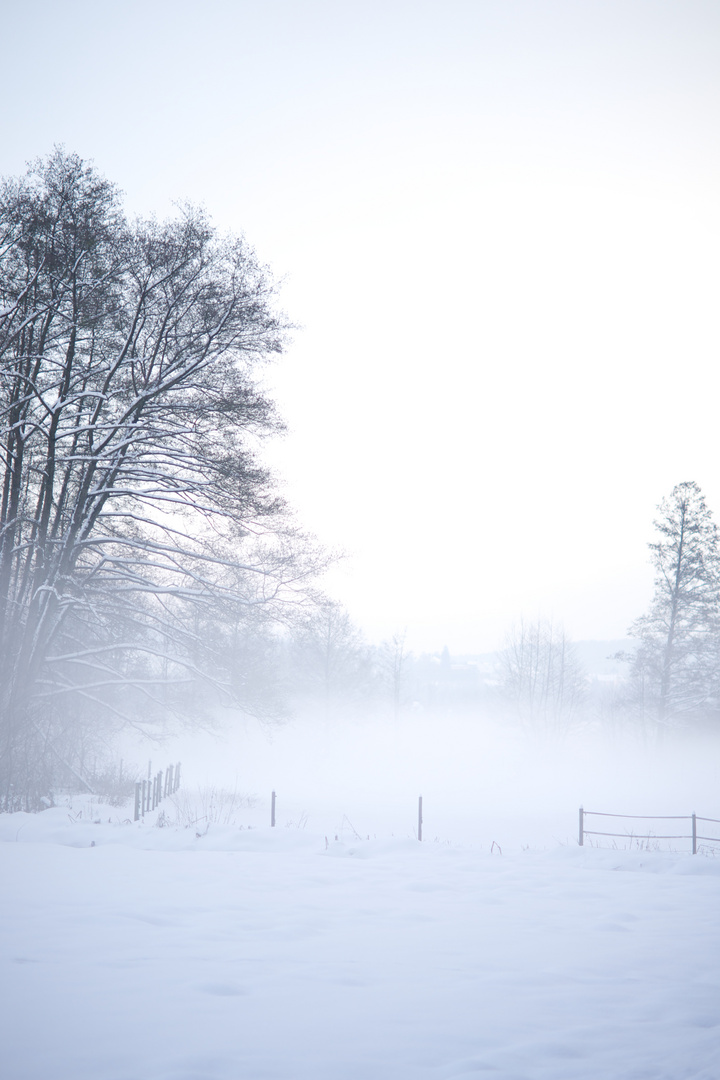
x=132 y=952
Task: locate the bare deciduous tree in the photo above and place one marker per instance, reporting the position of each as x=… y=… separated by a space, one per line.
x=542 y=679
x=393 y=660
x=330 y=659
x=131 y=496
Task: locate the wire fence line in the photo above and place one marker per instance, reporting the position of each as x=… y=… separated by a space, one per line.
x=149 y=793
x=693 y=835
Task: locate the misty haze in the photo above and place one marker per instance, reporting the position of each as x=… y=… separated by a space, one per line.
x=359 y=558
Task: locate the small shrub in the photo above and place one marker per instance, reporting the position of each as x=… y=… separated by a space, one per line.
x=114 y=783
x=206 y=806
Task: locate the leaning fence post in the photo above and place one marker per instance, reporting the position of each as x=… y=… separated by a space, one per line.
x=694 y=836
x=137 y=800
x=582 y=831
x=420 y=817
x=272 y=811
x=177 y=776
x=144 y=796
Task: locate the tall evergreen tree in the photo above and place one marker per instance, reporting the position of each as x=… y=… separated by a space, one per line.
x=677 y=661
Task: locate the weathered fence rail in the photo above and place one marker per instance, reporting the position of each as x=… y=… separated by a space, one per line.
x=149 y=793
x=693 y=835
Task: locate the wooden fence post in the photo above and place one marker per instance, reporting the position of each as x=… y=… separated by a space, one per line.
x=420 y=817
x=144 y=796
x=694 y=837
x=138 y=788
x=582 y=831
x=177 y=776
x=272 y=811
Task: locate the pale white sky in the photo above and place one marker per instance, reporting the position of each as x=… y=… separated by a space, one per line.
x=498 y=224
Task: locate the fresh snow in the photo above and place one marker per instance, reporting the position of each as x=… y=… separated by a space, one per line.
x=132 y=952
